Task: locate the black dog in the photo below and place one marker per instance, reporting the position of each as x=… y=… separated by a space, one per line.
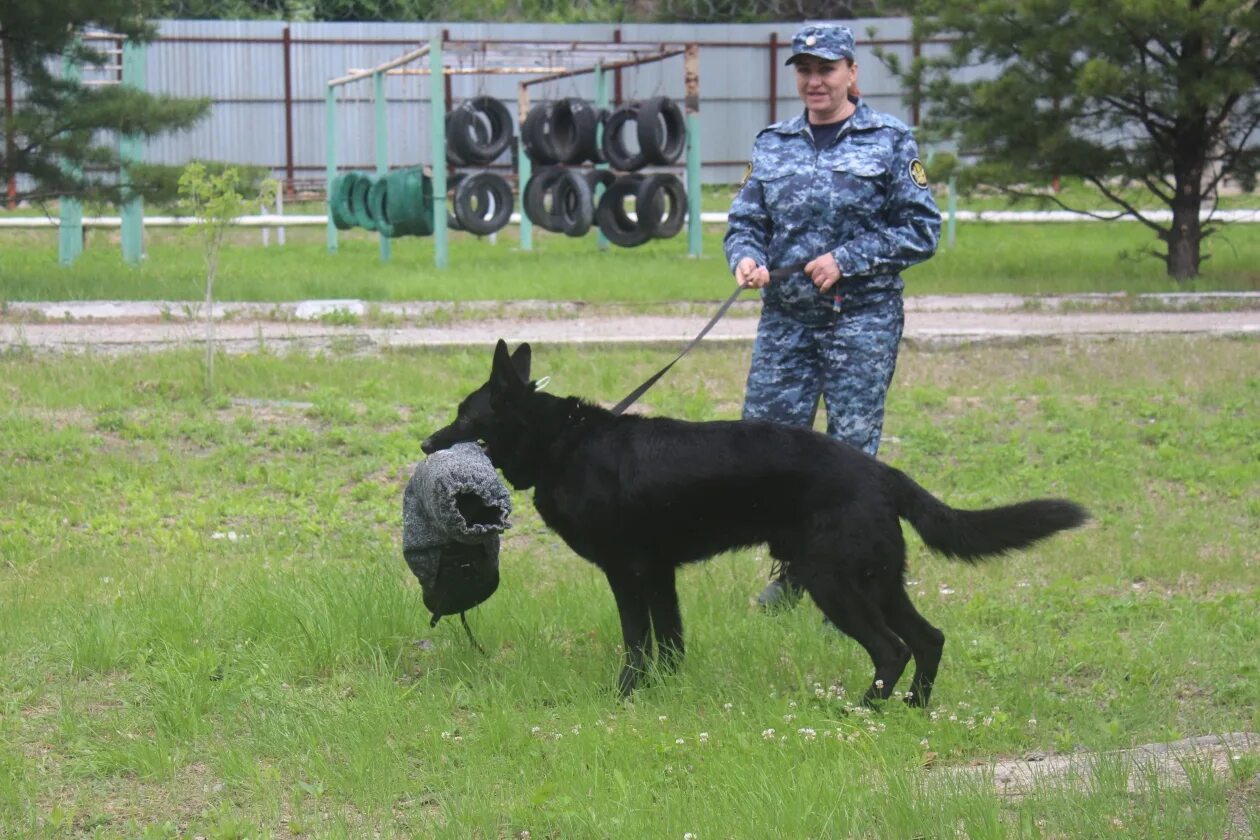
x=640 y=496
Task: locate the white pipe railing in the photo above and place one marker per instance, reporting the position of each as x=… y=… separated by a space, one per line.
x=282 y=221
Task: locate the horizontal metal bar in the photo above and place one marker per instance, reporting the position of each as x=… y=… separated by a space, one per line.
x=405 y=58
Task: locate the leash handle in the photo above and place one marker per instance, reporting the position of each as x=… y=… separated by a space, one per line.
x=628 y=400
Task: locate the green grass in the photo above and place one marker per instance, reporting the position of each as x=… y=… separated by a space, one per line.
x=987 y=258
x=160 y=678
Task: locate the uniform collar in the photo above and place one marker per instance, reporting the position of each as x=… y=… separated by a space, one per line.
x=863 y=118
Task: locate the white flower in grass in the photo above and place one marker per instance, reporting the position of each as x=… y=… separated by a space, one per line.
x=680 y=741
x=768 y=734
x=789 y=718
x=726 y=707
x=807 y=733
x=879 y=684
x=689 y=836
x=663 y=718
x=1032 y=721
x=535 y=730
x=704 y=737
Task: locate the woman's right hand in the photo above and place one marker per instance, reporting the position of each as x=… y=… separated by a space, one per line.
x=750 y=275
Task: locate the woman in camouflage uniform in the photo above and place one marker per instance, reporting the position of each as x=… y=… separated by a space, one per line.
x=839 y=188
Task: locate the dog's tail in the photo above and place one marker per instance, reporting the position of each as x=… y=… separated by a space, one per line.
x=974 y=534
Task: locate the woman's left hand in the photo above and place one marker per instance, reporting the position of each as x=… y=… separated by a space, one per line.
x=823 y=271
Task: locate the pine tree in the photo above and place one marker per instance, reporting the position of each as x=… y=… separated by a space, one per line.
x=1157 y=95
x=63 y=133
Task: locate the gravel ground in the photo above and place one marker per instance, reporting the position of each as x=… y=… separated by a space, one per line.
x=356 y=326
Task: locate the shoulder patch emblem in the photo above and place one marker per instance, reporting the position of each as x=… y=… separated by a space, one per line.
x=918 y=174
x=747 y=174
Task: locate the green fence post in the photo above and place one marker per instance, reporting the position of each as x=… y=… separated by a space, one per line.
x=382 y=142
x=437 y=103
x=70 y=233
x=601 y=101
x=330 y=159
x=524 y=168
x=131 y=150
x=691 y=77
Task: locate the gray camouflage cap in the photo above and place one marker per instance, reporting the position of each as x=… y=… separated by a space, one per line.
x=829 y=42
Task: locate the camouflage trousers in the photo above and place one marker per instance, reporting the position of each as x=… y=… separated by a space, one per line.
x=847 y=358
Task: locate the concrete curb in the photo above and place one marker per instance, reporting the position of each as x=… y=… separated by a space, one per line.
x=351 y=308
x=354 y=326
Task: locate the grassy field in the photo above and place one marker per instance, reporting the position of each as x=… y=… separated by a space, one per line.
x=987 y=258
x=208 y=629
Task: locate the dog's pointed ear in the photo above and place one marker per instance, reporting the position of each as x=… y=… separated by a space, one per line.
x=521 y=360
x=503 y=373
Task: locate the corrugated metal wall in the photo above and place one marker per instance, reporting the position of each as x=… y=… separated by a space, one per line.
x=241 y=66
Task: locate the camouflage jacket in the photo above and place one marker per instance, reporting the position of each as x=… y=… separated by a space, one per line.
x=864 y=198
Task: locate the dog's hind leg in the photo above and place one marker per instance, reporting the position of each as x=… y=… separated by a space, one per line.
x=666 y=620
x=856 y=613
x=926 y=643
x=632 y=606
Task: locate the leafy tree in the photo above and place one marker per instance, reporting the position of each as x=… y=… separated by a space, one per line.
x=1153 y=97
x=213 y=197
x=62 y=132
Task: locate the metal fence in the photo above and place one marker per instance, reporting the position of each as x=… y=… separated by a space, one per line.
x=267 y=81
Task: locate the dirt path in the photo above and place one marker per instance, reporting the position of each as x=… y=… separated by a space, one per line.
x=359 y=327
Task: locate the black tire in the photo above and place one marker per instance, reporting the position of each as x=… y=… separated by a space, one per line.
x=599 y=177
x=613 y=220
x=481 y=129
x=452 y=184
x=661 y=204
x=534 y=134
x=535 y=198
x=453 y=156
x=472 y=202
x=614 y=144
x=571 y=203
x=572 y=124
x=662 y=130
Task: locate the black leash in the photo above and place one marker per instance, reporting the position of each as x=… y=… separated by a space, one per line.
x=776 y=274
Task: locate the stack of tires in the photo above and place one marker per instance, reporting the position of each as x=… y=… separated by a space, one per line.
x=558 y=135
x=397 y=204
x=477 y=133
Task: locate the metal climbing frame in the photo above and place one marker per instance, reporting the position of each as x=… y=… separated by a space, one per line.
x=543 y=61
